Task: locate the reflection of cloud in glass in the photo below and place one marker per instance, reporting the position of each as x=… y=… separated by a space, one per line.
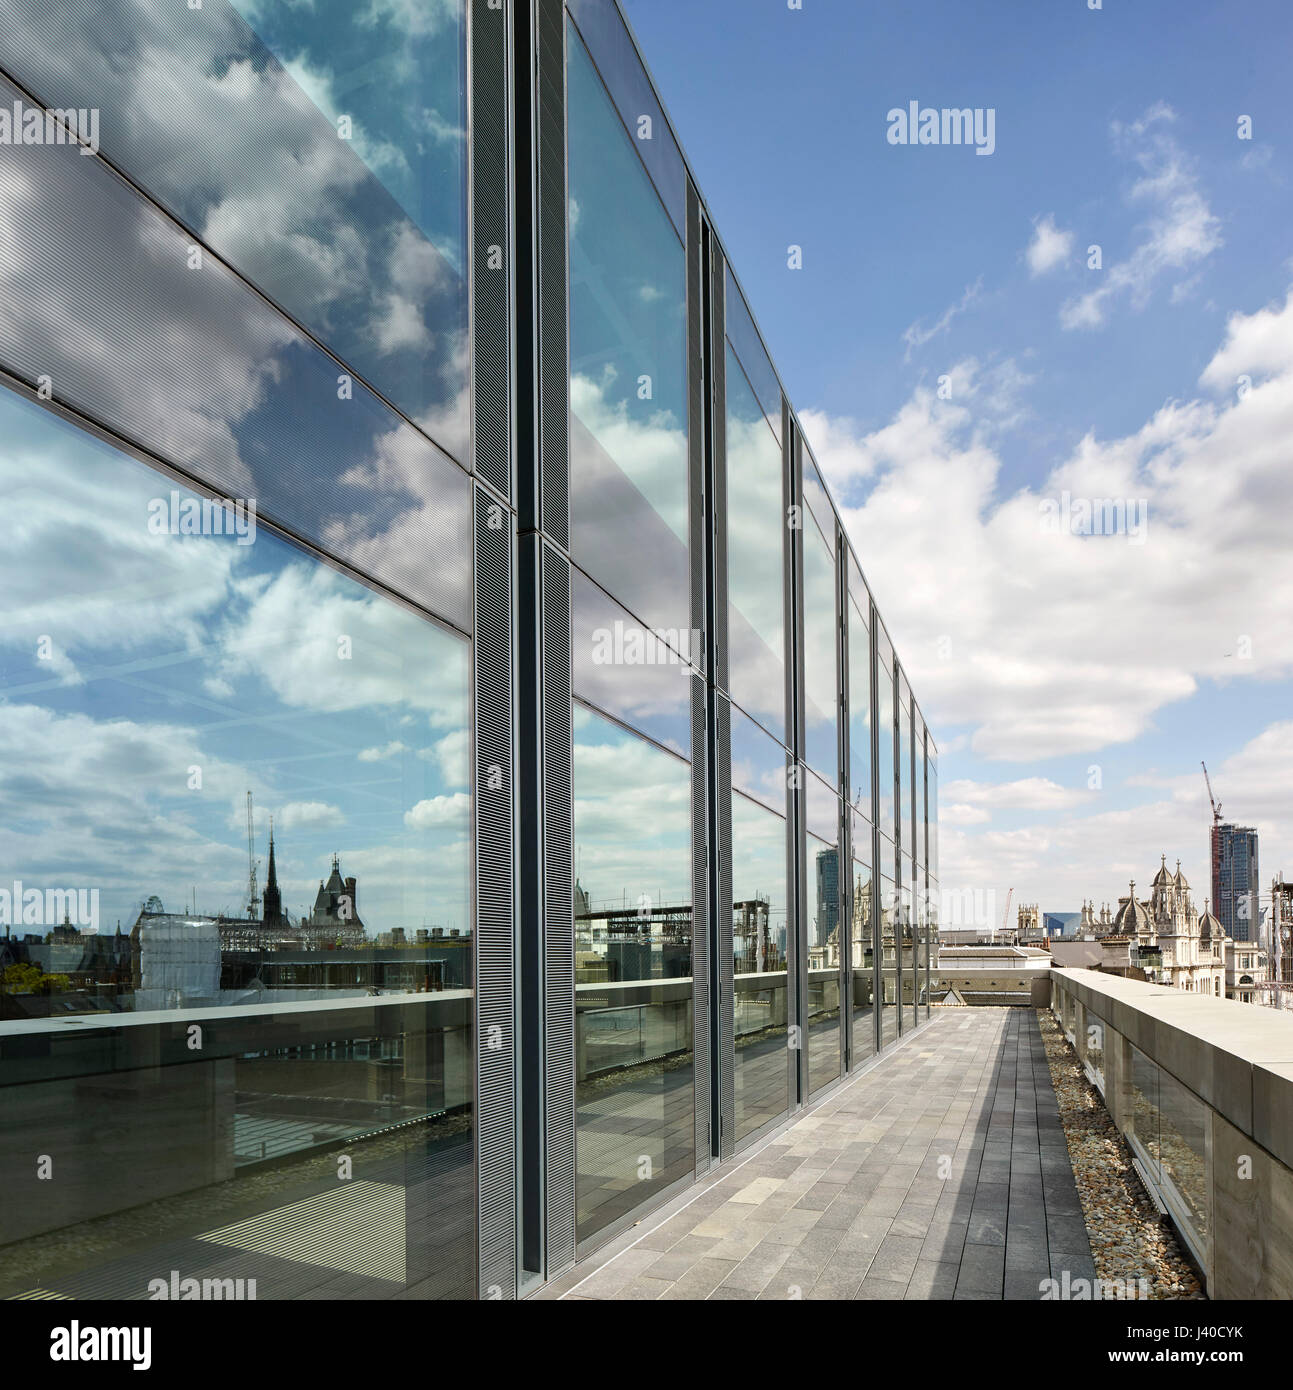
x=628 y=293
x=755 y=556
x=632 y=817
x=205 y=670
x=193 y=365
x=361 y=238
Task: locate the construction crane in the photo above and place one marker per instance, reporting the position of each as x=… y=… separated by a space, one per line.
x=1005 y=916
x=253 y=892
x=1216 y=805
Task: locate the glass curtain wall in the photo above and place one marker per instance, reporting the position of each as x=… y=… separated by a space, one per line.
x=241 y=762
x=890 y=929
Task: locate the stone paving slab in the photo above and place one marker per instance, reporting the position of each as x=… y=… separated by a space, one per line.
x=940 y=1173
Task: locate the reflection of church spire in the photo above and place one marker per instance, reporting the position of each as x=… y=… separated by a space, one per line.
x=273 y=899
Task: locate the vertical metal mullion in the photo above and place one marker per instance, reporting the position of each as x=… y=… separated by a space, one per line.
x=843 y=834
x=877 y=935
x=722 y=1002
x=797 y=929
x=700 y=490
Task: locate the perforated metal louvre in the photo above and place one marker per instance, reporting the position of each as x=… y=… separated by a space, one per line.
x=492 y=252
x=554 y=356
x=558 y=910
x=495 y=902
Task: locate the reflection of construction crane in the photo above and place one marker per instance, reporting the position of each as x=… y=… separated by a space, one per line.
x=253 y=892
x=1005 y=916
x=1216 y=805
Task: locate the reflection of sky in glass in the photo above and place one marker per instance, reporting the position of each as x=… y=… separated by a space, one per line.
x=632 y=817
x=884 y=732
x=755 y=556
x=170 y=653
x=607 y=649
x=820 y=676
x=758 y=763
x=749 y=347
x=189 y=362
x=628 y=292
x=859 y=706
x=234 y=129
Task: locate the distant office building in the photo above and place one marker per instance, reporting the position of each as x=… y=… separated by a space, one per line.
x=1065 y=924
x=1235 y=879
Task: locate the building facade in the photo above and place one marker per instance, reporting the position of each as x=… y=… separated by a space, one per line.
x=1165 y=934
x=1236 y=879
x=431 y=480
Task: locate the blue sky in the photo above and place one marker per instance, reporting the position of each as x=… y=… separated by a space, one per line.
x=1073 y=659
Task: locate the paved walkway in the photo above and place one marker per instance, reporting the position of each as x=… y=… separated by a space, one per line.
x=940 y=1173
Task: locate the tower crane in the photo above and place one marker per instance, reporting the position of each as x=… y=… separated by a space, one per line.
x=1216 y=805
x=1005 y=916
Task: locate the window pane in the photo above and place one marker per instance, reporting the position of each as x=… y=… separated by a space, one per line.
x=859 y=705
x=192 y=365
x=754 y=358
x=759 y=766
x=621 y=69
x=631 y=672
x=755 y=564
x=890 y=933
x=762 y=1075
x=863 y=948
x=230 y=120
x=268 y=828
x=885 y=735
x=824 y=948
x=821 y=678
x=628 y=356
x=634 y=1091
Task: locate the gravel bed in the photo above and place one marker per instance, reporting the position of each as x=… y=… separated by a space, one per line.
x=1129 y=1240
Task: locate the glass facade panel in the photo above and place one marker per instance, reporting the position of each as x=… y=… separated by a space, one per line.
x=885 y=810
x=756 y=534
x=193 y=366
x=759 y=766
x=821 y=671
x=264 y=836
x=906 y=837
x=862 y=955
x=889 y=981
x=233 y=125
x=761 y=1081
x=826 y=942
x=628 y=357
x=744 y=337
x=634 y=1083
x=859 y=701
x=621 y=69
x=629 y=671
